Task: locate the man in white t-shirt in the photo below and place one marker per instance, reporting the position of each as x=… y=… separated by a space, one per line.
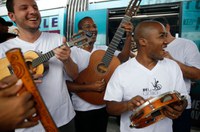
x=26 y=15
x=90 y=117
x=186 y=54
x=147 y=75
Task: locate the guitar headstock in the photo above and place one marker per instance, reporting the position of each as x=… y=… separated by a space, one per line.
x=80 y=39
x=133 y=7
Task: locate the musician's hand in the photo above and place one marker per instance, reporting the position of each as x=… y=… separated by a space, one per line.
x=99 y=86
x=128 y=27
x=173 y=111
x=36 y=77
x=27 y=111
x=135 y=102
x=14 y=109
x=62 y=53
x=8 y=81
x=168 y=55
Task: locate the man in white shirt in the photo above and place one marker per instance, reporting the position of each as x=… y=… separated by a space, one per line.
x=187 y=56
x=26 y=15
x=147 y=75
x=90 y=117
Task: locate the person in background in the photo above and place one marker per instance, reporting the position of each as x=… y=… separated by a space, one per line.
x=4 y=25
x=90 y=117
x=187 y=56
x=14 y=109
x=88 y=24
x=26 y=15
x=138 y=79
x=4 y=35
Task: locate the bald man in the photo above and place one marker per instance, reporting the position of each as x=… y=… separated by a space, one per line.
x=185 y=52
x=147 y=75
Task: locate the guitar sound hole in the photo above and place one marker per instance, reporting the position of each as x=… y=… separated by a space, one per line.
x=101 y=68
x=10 y=69
x=29 y=64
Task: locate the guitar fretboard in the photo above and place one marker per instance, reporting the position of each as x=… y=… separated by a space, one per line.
x=131 y=10
x=43 y=58
x=114 y=42
x=79 y=40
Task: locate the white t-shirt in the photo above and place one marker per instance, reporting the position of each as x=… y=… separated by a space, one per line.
x=82 y=61
x=131 y=79
x=53 y=88
x=186 y=52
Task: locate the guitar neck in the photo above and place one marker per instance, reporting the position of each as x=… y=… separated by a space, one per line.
x=45 y=57
x=80 y=39
x=131 y=10
x=115 y=42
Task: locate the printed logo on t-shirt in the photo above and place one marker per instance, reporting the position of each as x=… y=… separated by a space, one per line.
x=154 y=90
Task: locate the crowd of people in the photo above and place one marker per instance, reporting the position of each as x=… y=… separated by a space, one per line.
x=162 y=60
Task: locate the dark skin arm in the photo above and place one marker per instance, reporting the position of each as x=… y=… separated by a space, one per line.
x=175 y=110
x=97 y=86
x=124 y=54
x=117 y=108
x=188 y=71
x=13 y=108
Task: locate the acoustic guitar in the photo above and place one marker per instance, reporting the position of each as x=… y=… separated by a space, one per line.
x=103 y=63
x=37 y=62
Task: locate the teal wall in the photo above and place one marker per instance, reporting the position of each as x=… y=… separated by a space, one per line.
x=190 y=29
x=190 y=26
x=124 y=3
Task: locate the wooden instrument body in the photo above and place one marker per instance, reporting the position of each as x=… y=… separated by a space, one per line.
x=6 y=69
x=152 y=110
x=96 y=71
x=22 y=72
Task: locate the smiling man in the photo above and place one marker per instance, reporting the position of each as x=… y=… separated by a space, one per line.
x=147 y=75
x=26 y=15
